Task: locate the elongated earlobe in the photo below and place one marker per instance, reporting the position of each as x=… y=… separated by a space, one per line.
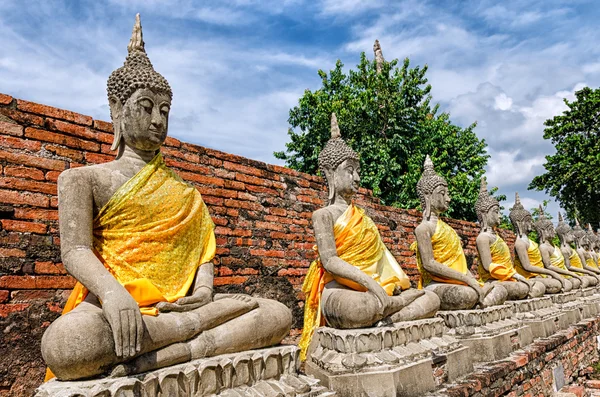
x=427 y=209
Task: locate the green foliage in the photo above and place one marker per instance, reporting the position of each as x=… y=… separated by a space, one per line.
x=388 y=119
x=572 y=175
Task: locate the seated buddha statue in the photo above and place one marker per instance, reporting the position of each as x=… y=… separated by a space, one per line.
x=528 y=259
x=440 y=257
x=495 y=263
x=552 y=257
x=593 y=242
x=140 y=241
x=571 y=259
x=582 y=244
x=355 y=282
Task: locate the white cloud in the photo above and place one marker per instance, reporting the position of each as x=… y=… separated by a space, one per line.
x=502 y=102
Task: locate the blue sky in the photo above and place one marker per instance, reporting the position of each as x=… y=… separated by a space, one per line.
x=237 y=66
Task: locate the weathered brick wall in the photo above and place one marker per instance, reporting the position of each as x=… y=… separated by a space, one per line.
x=262 y=214
x=530 y=372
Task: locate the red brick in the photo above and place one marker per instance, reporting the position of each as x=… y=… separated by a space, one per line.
x=230 y=280
x=105 y=138
x=71 y=129
x=4 y=295
x=12 y=197
x=54 y=202
x=103 y=126
x=19 y=143
x=270 y=226
x=202 y=179
x=52 y=176
x=6 y=309
x=11 y=129
x=49 y=268
x=106 y=149
x=24 y=227
x=28 y=185
x=278 y=211
x=32 y=160
x=20 y=117
x=262 y=189
x=310 y=199
x=37 y=214
x=220 y=230
x=269 y=253
x=170 y=141
x=24 y=172
x=243 y=204
x=37 y=282
x=95 y=158
x=49 y=136
x=247 y=196
x=243 y=169
x=593 y=384
x=234 y=185
x=5 y=99
x=213 y=191
x=68 y=115
x=71 y=154
x=192 y=158
x=184 y=165
x=253 y=180
x=11 y=252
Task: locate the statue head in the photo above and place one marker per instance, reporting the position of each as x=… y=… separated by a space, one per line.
x=432 y=190
x=580 y=235
x=544 y=227
x=591 y=238
x=487 y=207
x=520 y=217
x=340 y=164
x=564 y=232
x=139 y=99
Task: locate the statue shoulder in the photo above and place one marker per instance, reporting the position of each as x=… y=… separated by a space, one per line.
x=425 y=228
x=323 y=215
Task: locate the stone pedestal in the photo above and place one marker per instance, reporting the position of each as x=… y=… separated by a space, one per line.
x=539 y=314
x=386 y=361
x=491 y=333
x=591 y=301
x=570 y=304
x=265 y=372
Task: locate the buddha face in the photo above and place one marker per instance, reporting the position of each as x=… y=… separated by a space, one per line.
x=492 y=217
x=143 y=120
x=526 y=224
x=440 y=199
x=346 y=180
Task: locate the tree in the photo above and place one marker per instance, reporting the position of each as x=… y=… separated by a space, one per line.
x=387 y=117
x=572 y=175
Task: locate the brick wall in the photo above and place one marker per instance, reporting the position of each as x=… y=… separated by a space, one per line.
x=262 y=214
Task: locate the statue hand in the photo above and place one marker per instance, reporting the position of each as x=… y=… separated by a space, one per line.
x=240 y=297
x=482 y=292
x=123 y=314
x=201 y=297
x=381 y=295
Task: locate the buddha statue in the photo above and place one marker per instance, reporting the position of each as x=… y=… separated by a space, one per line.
x=495 y=263
x=356 y=281
x=570 y=257
x=593 y=242
x=552 y=257
x=582 y=244
x=440 y=257
x=528 y=259
x=140 y=241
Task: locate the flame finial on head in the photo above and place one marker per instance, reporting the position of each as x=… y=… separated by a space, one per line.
x=562 y=228
x=378 y=56
x=518 y=213
x=542 y=223
x=560 y=217
x=335 y=128
x=485 y=201
x=136 y=43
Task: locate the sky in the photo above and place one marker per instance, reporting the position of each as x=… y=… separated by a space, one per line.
x=237 y=67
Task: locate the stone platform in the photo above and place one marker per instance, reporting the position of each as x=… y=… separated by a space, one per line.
x=540 y=315
x=386 y=361
x=491 y=333
x=266 y=372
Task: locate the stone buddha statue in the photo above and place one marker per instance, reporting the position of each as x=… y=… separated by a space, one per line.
x=571 y=259
x=582 y=244
x=440 y=257
x=356 y=281
x=552 y=257
x=592 y=242
x=140 y=241
x=528 y=259
x=495 y=263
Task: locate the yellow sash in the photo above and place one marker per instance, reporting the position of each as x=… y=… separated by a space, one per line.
x=501 y=267
x=358 y=243
x=575 y=261
x=151 y=236
x=447 y=250
x=590 y=262
x=535 y=259
x=558 y=260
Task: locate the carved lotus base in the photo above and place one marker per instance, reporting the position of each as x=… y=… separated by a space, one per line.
x=539 y=314
x=265 y=372
x=491 y=333
x=386 y=361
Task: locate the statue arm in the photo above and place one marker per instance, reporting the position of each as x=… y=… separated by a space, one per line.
x=521 y=252
x=75 y=203
x=483 y=249
x=590 y=271
x=545 y=252
x=423 y=235
x=323 y=224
